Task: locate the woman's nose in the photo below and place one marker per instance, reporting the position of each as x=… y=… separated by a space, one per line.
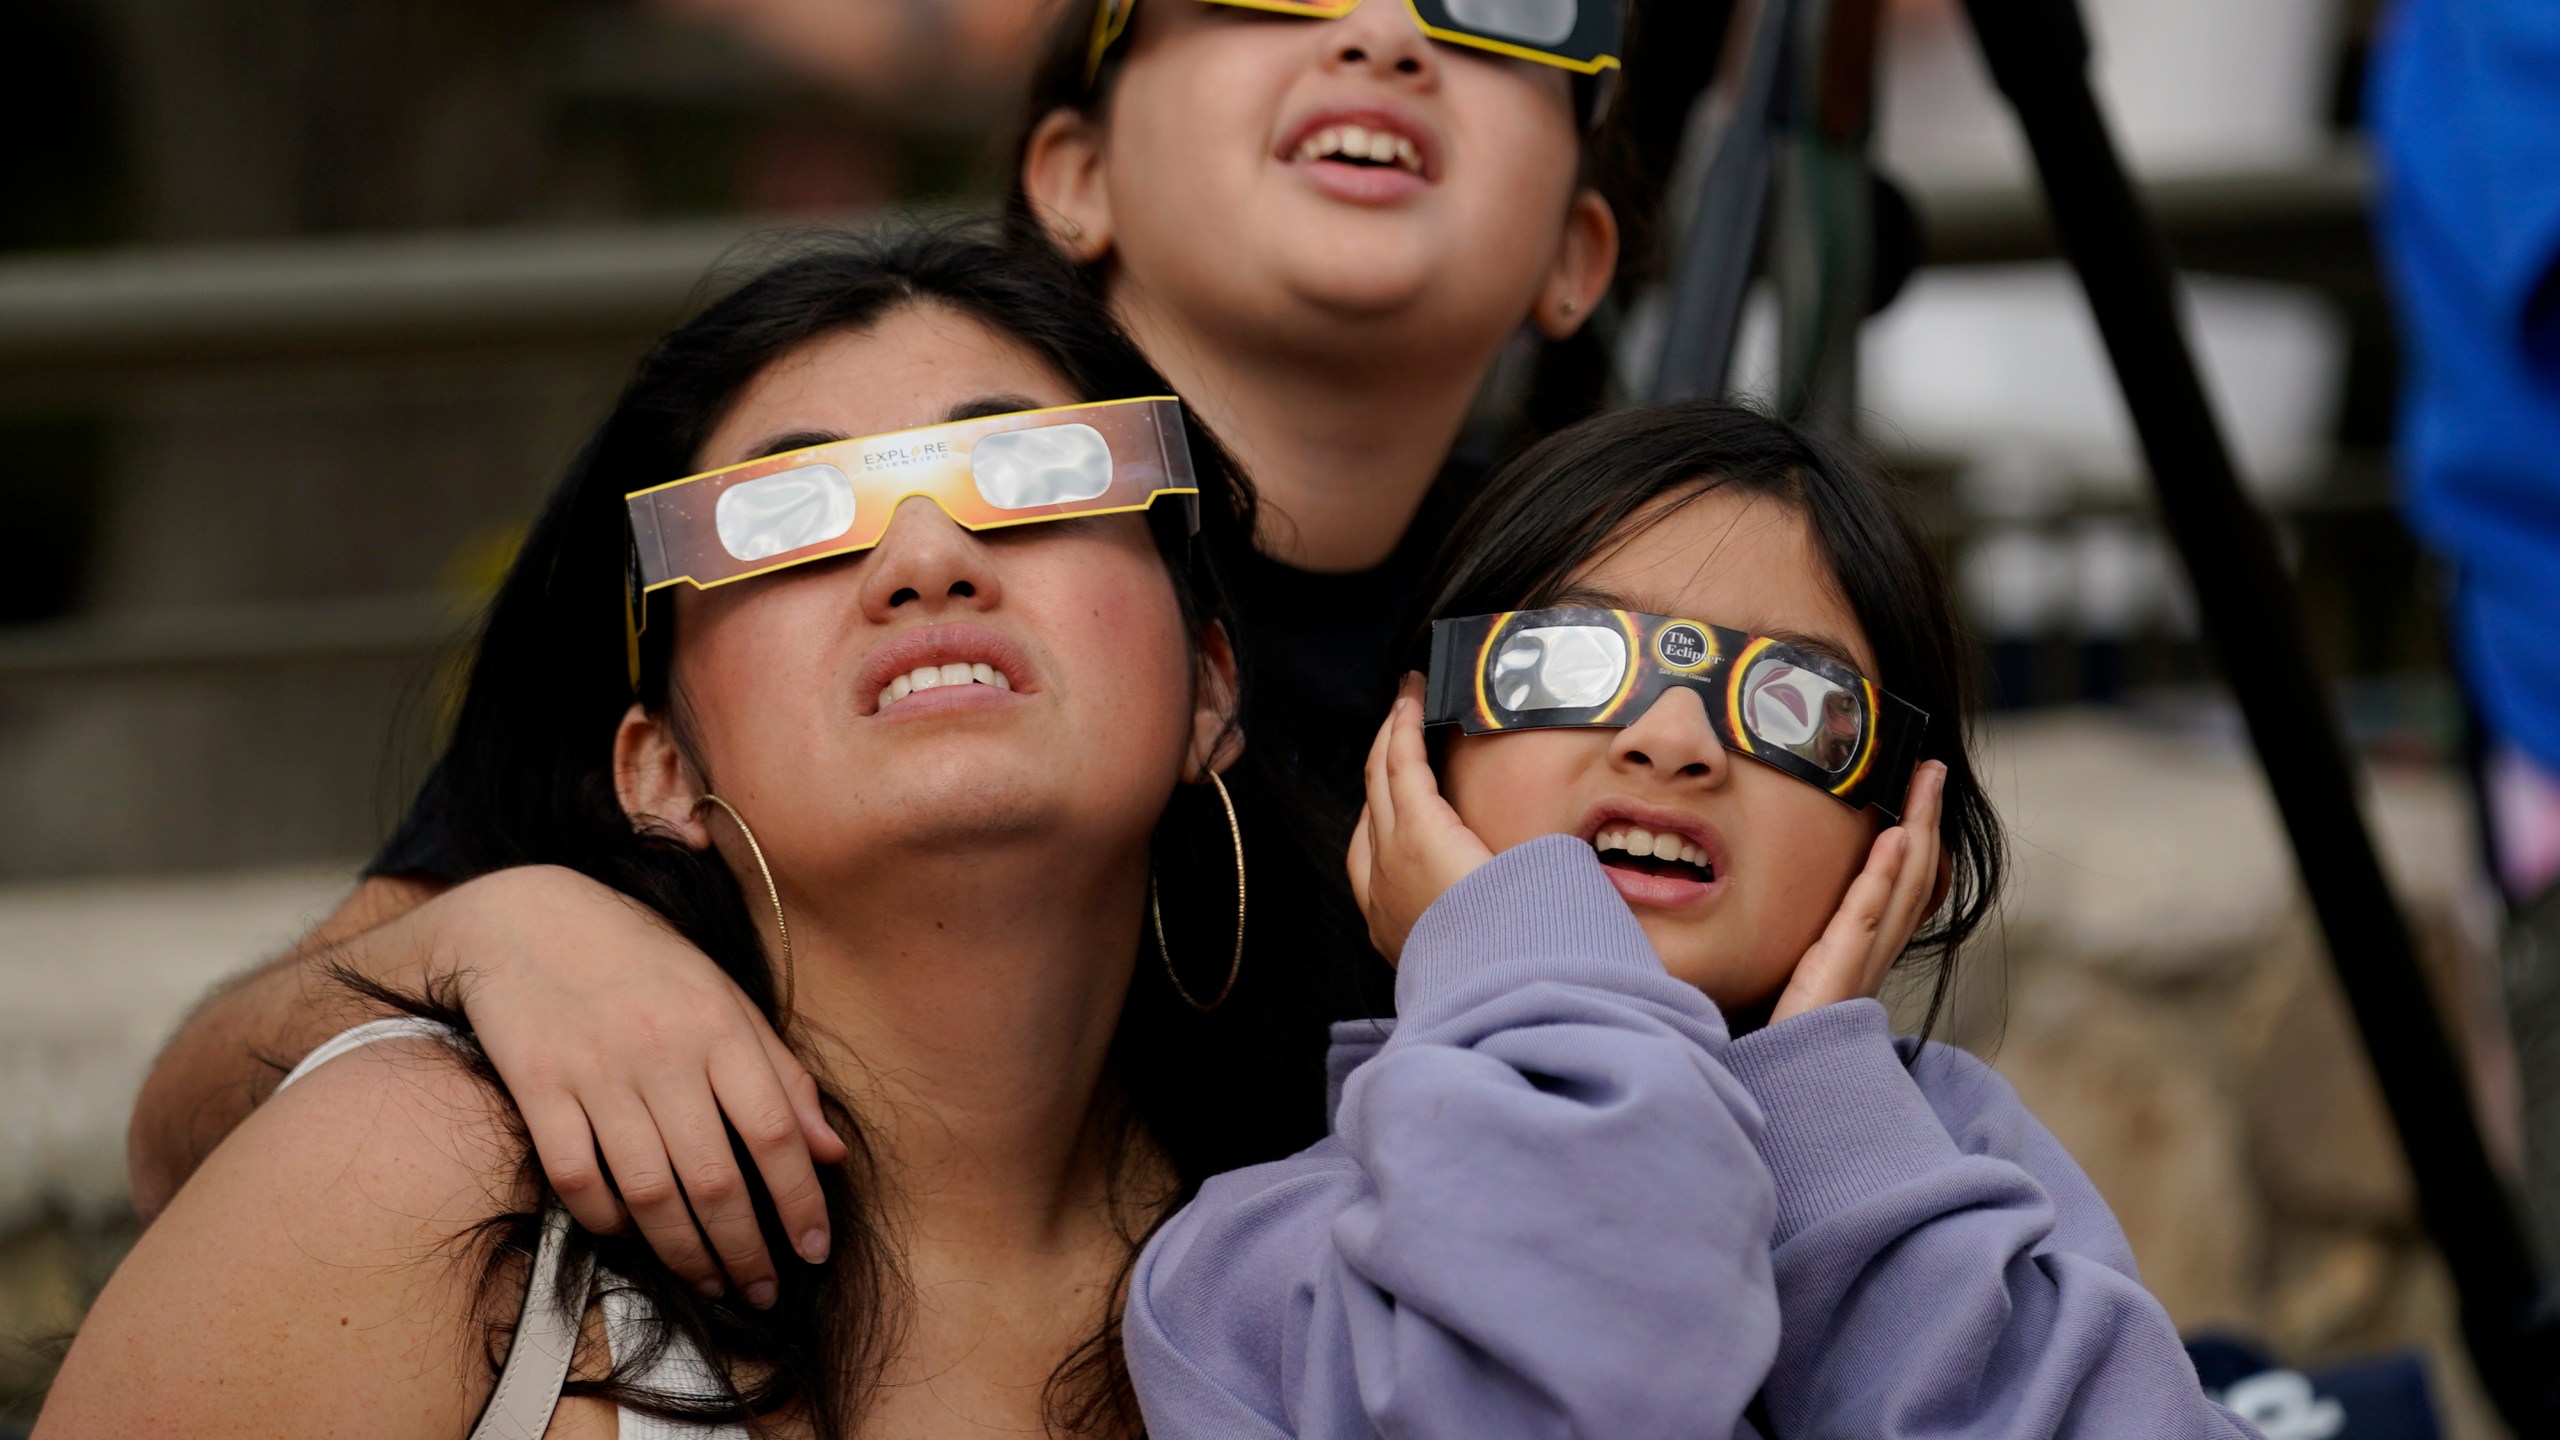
x=1673 y=740
x=1382 y=36
x=927 y=562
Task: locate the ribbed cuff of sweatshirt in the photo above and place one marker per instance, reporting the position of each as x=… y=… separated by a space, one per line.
x=1846 y=1121
x=1543 y=908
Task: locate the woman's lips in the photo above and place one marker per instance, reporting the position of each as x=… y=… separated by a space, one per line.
x=947 y=700
x=951 y=666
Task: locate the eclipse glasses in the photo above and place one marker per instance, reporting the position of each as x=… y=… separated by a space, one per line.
x=1787 y=708
x=834 y=499
x=1582 y=36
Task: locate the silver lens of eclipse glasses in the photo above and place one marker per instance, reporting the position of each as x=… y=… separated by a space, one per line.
x=1534 y=22
x=1559 y=667
x=1801 y=712
x=1053 y=465
x=774 y=513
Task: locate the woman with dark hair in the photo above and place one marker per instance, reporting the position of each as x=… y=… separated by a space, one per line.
x=1627 y=953
x=937 y=789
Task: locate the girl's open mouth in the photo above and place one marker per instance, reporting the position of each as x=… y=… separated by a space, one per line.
x=1639 y=851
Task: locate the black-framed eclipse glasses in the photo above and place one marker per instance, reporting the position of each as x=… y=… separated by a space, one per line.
x=1792 y=710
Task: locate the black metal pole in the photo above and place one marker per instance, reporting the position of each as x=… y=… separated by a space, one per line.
x=2038 y=54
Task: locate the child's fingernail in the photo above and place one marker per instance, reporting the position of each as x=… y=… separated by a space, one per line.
x=813 y=1246
x=760 y=1294
x=708 y=1289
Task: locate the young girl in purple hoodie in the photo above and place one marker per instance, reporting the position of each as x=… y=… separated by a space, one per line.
x=1640 y=1155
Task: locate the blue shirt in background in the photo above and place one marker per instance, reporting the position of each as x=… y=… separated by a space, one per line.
x=2465 y=104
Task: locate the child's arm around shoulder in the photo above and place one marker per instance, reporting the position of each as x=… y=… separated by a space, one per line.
x=1943 y=1267
x=315 y=1276
x=1542 y=1210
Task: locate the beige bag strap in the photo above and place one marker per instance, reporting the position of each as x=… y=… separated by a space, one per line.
x=546 y=1338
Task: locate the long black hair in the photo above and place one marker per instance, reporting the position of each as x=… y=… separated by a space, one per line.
x=1561 y=503
x=527 y=779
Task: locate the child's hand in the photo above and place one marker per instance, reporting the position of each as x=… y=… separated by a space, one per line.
x=1409 y=846
x=616 y=1037
x=1886 y=903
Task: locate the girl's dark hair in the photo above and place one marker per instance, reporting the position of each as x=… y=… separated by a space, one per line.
x=1550 y=512
x=527 y=779
x=1609 y=161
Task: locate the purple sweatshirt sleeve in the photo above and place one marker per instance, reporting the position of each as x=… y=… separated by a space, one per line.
x=1943 y=1268
x=1542 y=1212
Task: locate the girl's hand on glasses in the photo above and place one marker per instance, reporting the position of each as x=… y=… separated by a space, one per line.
x=1885 y=906
x=1410 y=845
x=620 y=1041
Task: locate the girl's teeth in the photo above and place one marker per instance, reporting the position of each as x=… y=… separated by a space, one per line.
x=925 y=677
x=1355 y=140
x=1407 y=156
x=1666 y=847
x=1382 y=147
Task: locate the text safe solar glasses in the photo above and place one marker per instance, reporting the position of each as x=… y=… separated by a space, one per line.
x=1578 y=35
x=1797 y=712
x=834 y=499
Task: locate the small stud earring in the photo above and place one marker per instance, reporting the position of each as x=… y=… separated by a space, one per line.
x=1074 y=231
x=1569 y=306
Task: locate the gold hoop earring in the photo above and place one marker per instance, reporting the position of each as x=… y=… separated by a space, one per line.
x=772 y=892
x=1155 y=912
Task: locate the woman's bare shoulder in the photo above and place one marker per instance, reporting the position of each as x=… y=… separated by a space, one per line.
x=320 y=1275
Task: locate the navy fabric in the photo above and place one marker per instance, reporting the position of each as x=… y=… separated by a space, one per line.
x=2381 y=1398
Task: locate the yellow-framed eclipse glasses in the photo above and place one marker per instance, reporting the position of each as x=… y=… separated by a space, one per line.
x=1583 y=36
x=816 y=503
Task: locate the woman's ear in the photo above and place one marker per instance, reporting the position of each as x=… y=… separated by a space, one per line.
x=1216 y=740
x=1064 y=172
x=654 y=781
x=1585 y=263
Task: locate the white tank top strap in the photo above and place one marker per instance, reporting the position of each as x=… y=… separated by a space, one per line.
x=546 y=1337
x=396 y=1027
x=546 y=1340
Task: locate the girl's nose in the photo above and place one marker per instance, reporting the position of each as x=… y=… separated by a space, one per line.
x=1672 y=740
x=929 y=562
x=1381 y=36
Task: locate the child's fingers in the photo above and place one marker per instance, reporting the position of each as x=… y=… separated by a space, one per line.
x=1835 y=969
x=1382 y=806
x=1409 y=779
x=1919 y=870
x=1360 y=861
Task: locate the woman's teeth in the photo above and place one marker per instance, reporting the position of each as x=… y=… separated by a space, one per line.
x=927 y=677
x=1362 y=146
x=1639 y=843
